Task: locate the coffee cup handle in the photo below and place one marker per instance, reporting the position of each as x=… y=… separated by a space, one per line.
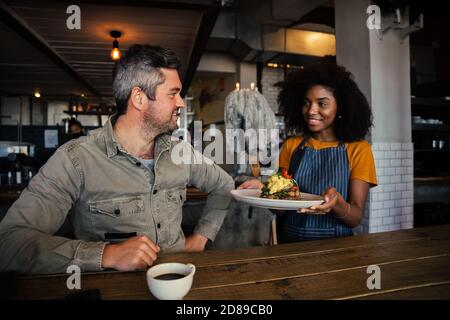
x=190 y=265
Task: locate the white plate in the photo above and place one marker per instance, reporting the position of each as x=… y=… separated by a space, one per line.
x=252 y=197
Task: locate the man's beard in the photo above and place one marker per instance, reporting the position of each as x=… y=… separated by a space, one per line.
x=151 y=126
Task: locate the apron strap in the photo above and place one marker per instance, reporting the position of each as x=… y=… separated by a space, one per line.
x=296 y=157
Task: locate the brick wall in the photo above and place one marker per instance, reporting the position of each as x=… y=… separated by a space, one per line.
x=270 y=76
x=390 y=204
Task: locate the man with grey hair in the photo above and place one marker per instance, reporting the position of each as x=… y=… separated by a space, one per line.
x=123 y=190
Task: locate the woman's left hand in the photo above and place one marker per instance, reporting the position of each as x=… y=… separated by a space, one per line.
x=331 y=196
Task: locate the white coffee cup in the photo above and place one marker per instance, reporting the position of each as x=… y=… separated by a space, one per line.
x=165 y=285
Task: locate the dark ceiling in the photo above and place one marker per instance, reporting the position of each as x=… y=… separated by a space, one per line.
x=40 y=53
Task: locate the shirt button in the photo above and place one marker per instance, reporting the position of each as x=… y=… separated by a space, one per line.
x=138 y=164
x=158 y=225
x=117 y=212
x=155 y=191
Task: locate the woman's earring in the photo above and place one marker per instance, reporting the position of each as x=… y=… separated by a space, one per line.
x=339 y=117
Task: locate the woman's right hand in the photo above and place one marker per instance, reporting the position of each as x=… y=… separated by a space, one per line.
x=251 y=184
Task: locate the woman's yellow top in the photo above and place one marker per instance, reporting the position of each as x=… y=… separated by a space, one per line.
x=360 y=156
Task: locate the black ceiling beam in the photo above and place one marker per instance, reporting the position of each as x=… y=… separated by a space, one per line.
x=195 y=5
x=258 y=57
x=276 y=56
x=10 y=18
x=207 y=23
x=321 y=15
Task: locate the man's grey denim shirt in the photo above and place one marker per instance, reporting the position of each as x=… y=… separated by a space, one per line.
x=109 y=192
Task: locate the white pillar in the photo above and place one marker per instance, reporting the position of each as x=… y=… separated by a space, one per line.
x=382 y=71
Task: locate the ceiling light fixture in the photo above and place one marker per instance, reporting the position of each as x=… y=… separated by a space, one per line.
x=115 y=52
x=37 y=94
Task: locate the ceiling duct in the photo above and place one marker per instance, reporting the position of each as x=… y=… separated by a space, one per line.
x=239 y=35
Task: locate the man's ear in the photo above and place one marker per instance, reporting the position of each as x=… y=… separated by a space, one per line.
x=137 y=98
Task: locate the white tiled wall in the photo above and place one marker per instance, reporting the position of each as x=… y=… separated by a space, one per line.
x=270 y=76
x=390 y=204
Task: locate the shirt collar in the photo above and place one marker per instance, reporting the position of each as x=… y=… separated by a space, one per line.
x=110 y=138
x=162 y=142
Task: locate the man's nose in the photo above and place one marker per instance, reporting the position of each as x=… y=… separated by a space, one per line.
x=180 y=102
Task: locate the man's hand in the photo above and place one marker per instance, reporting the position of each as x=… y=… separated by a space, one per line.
x=331 y=196
x=195 y=242
x=251 y=184
x=135 y=253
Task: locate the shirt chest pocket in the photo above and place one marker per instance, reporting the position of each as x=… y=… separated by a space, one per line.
x=117 y=208
x=175 y=198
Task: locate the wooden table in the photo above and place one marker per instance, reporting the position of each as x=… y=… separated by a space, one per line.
x=193 y=194
x=414 y=264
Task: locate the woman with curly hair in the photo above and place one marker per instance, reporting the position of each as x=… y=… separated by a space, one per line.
x=329 y=156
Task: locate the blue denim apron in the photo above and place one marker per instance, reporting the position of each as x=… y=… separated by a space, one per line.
x=314 y=171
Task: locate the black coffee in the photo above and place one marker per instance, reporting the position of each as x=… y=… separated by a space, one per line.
x=170 y=276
